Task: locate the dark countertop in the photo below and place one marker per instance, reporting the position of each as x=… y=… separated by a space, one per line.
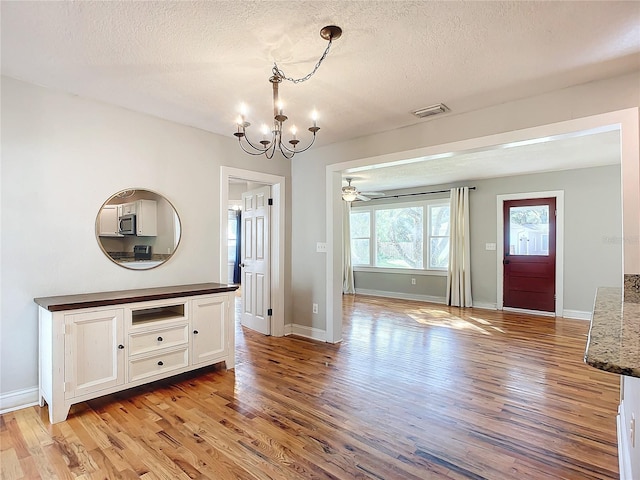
x=614 y=336
x=101 y=299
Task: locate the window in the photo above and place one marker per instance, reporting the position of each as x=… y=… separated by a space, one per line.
x=360 y=237
x=398 y=234
x=438 y=236
x=401 y=235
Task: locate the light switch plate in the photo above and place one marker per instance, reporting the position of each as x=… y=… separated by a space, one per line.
x=321 y=247
x=489 y=246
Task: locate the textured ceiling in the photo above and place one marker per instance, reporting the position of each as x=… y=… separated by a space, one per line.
x=195 y=62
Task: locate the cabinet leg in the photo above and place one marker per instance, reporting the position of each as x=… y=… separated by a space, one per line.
x=58 y=414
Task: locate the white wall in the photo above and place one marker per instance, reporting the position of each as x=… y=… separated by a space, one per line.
x=62 y=157
x=309 y=268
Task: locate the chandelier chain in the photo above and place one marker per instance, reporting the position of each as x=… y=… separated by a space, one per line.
x=277 y=72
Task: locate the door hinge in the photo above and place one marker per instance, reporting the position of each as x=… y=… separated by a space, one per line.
x=270 y=312
x=270 y=201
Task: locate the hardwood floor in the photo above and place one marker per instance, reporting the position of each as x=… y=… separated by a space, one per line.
x=415 y=391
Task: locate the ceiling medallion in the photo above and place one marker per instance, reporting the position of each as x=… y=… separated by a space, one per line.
x=272 y=140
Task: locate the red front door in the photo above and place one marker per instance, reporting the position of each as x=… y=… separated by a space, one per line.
x=530 y=254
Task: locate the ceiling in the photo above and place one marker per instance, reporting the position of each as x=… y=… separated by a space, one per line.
x=195 y=62
x=579 y=150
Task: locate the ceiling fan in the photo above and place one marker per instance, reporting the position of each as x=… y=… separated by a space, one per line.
x=351 y=193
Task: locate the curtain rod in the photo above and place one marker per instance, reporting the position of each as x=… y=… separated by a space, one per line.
x=417 y=193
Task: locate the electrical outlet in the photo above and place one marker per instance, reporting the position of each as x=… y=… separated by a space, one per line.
x=413 y=281
x=315 y=308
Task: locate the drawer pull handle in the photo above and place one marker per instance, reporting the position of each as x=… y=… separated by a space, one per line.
x=195 y=332
x=159 y=339
x=120 y=346
x=160 y=363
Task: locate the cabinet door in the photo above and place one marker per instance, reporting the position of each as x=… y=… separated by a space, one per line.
x=209 y=329
x=147 y=218
x=108 y=221
x=127 y=208
x=94 y=351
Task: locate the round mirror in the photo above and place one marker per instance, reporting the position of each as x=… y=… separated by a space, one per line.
x=138 y=229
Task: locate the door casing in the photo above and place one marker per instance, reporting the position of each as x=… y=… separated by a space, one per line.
x=625 y=120
x=278 y=193
x=500 y=199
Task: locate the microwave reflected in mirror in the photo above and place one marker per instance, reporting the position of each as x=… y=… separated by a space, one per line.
x=138 y=229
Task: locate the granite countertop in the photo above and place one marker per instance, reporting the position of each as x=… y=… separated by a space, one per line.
x=614 y=336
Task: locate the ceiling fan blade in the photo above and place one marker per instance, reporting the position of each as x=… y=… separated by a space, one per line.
x=374 y=194
x=359 y=196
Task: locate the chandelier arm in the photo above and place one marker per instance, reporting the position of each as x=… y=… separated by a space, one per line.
x=308 y=146
x=284 y=152
x=279 y=73
x=258 y=152
x=273 y=151
x=302 y=150
x=260 y=149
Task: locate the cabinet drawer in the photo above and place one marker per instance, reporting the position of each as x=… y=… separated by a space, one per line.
x=145 y=342
x=158 y=364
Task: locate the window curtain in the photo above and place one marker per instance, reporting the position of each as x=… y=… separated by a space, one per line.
x=348 y=283
x=459 y=271
x=236 y=263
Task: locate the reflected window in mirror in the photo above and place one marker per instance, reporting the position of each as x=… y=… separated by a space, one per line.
x=138 y=229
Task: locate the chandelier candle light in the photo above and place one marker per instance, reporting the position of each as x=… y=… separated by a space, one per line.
x=272 y=140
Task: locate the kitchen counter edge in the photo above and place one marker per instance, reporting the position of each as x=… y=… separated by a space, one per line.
x=613 y=344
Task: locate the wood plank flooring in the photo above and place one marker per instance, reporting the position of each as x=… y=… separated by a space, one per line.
x=415 y=391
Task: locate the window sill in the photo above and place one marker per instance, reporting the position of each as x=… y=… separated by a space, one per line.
x=402 y=271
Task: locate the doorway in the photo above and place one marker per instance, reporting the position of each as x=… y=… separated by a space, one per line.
x=529 y=259
x=277 y=271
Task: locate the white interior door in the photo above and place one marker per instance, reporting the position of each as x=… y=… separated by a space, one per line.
x=255 y=260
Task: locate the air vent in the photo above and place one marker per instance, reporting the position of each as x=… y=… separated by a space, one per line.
x=430 y=111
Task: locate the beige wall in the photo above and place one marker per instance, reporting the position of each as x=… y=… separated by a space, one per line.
x=592 y=237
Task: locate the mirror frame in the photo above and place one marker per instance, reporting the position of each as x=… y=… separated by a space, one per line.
x=133 y=192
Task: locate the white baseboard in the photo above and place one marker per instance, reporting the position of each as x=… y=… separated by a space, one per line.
x=308 y=332
x=18 y=399
x=485 y=306
x=529 y=312
x=288 y=329
x=401 y=295
x=624 y=449
x=576 y=314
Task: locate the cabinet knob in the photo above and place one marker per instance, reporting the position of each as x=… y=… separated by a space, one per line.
x=159 y=339
x=160 y=363
x=195 y=332
x=120 y=347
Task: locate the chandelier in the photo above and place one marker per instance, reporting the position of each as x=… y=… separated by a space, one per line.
x=272 y=138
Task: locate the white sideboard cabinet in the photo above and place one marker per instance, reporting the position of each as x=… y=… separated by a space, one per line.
x=95 y=344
